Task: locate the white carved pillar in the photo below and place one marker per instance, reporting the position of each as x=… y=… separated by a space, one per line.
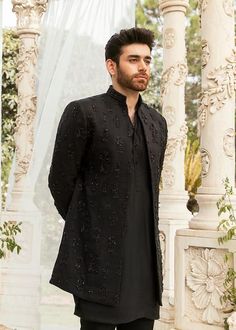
x=200 y=268
x=173 y=198
x=216 y=110
x=29 y=13
x=20 y=274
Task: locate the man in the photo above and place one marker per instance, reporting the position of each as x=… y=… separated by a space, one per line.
x=104 y=179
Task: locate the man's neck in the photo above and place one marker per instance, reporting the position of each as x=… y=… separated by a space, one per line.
x=131 y=96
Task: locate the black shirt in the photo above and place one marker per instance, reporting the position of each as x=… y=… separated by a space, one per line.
x=138 y=289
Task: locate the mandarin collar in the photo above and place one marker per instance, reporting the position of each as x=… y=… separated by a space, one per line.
x=120 y=97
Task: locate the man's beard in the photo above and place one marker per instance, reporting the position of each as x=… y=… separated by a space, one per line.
x=130 y=82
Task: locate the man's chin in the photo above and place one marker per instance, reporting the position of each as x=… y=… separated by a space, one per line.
x=140 y=89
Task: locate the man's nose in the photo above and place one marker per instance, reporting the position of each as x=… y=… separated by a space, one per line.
x=142 y=66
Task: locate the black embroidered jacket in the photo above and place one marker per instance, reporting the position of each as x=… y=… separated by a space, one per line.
x=89 y=181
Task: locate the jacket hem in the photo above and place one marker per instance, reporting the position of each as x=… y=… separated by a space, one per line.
x=88 y=293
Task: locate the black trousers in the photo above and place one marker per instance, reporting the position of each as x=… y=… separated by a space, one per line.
x=140 y=324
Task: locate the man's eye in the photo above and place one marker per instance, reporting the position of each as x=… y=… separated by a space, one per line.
x=133 y=60
x=148 y=62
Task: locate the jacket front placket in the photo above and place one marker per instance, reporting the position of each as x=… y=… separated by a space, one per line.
x=153 y=142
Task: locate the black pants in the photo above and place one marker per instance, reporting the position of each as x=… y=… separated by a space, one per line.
x=140 y=324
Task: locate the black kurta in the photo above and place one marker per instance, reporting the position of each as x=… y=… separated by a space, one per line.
x=138 y=289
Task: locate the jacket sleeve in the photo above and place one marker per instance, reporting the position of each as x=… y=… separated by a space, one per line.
x=68 y=152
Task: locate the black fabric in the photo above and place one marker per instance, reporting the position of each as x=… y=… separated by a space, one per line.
x=140 y=324
x=138 y=290
x=90 y=180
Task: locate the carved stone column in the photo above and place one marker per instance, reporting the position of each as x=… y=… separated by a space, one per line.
x=216 y=110
x=200 y=268
x=20 y=274
x=29 y=13
x=173 y=199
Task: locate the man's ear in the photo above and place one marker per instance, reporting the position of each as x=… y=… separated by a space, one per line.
x=111 y=67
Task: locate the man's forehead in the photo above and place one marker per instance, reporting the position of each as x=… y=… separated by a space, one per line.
x=136 y=49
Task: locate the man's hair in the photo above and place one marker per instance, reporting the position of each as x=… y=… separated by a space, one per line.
x=127 y=37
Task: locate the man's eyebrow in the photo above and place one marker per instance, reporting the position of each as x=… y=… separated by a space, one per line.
x=138 y=56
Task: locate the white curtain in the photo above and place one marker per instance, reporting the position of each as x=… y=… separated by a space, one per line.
x=71 y=65
x=71 y=60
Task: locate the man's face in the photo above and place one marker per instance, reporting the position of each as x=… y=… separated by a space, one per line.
x=133 y=70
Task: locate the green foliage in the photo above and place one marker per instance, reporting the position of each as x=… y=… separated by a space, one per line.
x=229 y=296
x=228 y=225
x=9 y=102
x=224 y=205
x=193 y=83
x=193 y=40
x=192 y=166
x=192 y=172
x=148 y=16
x=230 y=291
x=8 y=231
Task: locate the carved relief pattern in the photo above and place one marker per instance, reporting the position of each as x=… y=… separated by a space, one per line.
x=171 y=148
x=228 y=7
x=162 y=238
x=205 y=53
x=232 y=59
x=205 y=275
x=166 y=79
x=170 y=115
x=168 y=176
x=24 y=134
x=169 y=38
x=182 y=71
x=173 y=143
x=205 y=159
x=221 y=87
x=175 y=74
x=229 y=142
x=29 y=13
x=183 y=136
x=202 y=5
x=27 y=58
